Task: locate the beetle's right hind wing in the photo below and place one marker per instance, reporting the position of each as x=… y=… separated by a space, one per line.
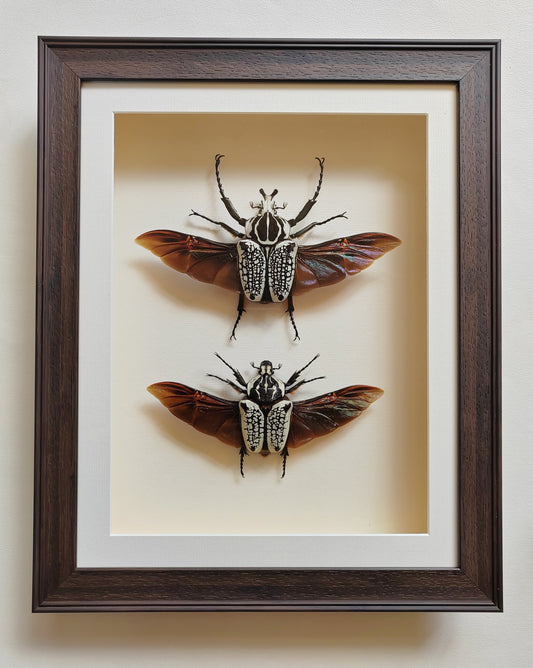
x=329 y=262
x=321 y=415
x=205 y=260
x=205 y=412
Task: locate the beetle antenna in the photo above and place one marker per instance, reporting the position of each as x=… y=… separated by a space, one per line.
x=252 y=364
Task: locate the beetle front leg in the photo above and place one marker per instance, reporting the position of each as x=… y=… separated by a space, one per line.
x=311 y=202
x=236 y=373
x=322 y=222
x=218 y=222
x=225 y=200
x=241 y=310
x=291 y=384
x=290 y=311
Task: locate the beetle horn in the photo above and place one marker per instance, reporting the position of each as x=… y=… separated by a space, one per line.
x=274 y=192
x=262 y=193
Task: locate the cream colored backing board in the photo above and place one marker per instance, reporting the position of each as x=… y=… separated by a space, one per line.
x=380 y=491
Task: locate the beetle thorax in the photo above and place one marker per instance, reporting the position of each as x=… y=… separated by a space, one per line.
x=267 y=227
x=265 y=388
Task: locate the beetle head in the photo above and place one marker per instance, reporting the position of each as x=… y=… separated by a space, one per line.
x=267 y=205
x=266 y=368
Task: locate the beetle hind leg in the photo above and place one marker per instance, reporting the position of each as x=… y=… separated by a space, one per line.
x=242 y=454
x=290 y=311
x=240 y=310
x=284 y=454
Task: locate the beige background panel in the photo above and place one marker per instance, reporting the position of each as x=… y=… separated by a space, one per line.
x=368 y=477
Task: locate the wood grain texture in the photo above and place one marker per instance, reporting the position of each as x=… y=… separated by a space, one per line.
x=64 y=64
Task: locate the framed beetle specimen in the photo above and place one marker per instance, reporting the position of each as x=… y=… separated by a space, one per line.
x=266 y=421
x=266 y=264
x=410 y=134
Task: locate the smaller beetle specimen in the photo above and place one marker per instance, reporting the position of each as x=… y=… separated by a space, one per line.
x=267 y=263
x=266 y=420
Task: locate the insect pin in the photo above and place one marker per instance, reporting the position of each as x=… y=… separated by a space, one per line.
x=265 y=421
x=267 y=263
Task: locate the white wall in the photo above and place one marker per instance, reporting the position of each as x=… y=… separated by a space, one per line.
x=288 y=639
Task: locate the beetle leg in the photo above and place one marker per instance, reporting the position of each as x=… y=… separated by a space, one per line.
x=322 y=222
x=229 y=382
x=288 y=390
x=311 y=202
x=284 y=454
x=218 y=222
x=292 y=385
x=242 y=453
x=241 y=310
x=298 y=373
x=290 y=311
x=225 y=200
x=236 y=373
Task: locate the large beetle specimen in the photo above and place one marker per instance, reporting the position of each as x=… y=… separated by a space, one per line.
x=266 y=420
x=267 y=264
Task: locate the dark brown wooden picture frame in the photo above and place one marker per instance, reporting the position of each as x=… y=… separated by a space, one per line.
x=64 y=65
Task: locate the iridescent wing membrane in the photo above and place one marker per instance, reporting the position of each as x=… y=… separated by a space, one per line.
x=317 y=265
x=219 y=417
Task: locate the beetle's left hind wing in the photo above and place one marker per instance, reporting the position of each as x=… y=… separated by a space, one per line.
x=321 y=415
x=205 y=260
x=205 y=412
x=329 y=262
